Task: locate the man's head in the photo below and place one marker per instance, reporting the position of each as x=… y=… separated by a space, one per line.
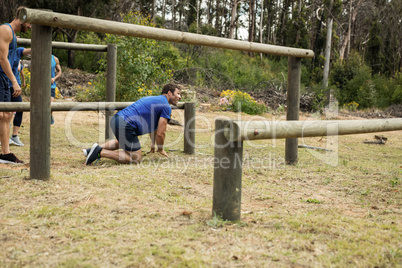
x=172 y=93
x=24 y=26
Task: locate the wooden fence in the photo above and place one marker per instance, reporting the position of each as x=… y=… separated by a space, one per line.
x=229 y=137
x=42 y=21
x=111 y=57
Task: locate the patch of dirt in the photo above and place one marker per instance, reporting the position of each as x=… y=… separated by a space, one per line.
x=394 y=110
x=274 y=99
x=71 y=79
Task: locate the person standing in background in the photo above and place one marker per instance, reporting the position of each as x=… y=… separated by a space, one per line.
x=55 y=73
x=17 y=70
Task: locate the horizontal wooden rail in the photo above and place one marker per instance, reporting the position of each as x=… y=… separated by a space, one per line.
x=257 y=130
x=53 y=19
x=64 y=45
x=72 y=106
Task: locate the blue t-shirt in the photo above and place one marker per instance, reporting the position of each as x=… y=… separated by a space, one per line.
x=12 y=51
x=14 y=67
x=53 y=71
x=144 y=114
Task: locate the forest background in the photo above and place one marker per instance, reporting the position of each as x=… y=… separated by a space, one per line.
x=358 y=40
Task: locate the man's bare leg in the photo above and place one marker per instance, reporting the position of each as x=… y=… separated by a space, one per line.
x=122 y=156
x=111 y=145
x=5 y=118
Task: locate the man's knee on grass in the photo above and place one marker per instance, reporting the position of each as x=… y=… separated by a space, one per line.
x=136 y=157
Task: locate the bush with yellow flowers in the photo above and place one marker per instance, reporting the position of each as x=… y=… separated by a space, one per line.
x=27 y=89
x=239 y=101
x=351 y=106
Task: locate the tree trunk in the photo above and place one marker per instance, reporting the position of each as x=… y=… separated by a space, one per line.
x=153 y=11
x=218 y=18
x=226 y=18
x=261 y=20
x=237 y=25
x=328 y=53
x=251 y=28
x=209 y=17
x=269 y=15
x=72 y=38
x=199 y=4
x=173 y=14
x=298 y=28
x=163 y=10
x=346 y=39
x=233 y=19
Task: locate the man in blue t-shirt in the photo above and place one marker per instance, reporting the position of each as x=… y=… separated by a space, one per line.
x=8 y=50
x=55 y=69
x=147 y=115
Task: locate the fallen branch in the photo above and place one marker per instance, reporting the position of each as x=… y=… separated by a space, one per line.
x=314 y=148
x=379 y=140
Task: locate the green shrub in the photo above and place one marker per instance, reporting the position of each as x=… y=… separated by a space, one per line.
x=320 y=99
x=396 y=89
x=88 y=60
x=225 y=69
x=351 y=80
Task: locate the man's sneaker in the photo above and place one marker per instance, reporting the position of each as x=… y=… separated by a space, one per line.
x=10 y=159
x=15 y=141
x=93 y=154
x=86 y=151
x=51 y=120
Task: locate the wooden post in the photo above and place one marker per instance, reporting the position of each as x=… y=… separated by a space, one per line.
x=228 y=163
x=189 y=128
x=110 y=87
x=293 y=104
x=40 y=102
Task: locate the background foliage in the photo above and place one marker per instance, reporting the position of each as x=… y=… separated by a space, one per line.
x=370 y=30
x=143 y=65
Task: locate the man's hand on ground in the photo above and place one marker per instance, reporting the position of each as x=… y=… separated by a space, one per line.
x=151 y=151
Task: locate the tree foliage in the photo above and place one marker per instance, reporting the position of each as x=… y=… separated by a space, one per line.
x=370 y=28
x=143 y=65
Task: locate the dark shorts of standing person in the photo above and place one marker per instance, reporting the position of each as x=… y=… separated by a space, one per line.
x=18 y=115
x=125 y=133
x=53 y=92
x=5 y=94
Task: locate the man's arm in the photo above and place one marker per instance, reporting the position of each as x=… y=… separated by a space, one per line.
x=152 y=137
x=27 y=51
x=160 y=135
x=58 y=70
x=22 y=77
x=6 y=37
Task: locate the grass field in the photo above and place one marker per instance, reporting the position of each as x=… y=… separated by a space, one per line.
x=338 y=209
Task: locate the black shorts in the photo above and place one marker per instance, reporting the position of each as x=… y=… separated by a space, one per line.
x=5 y=94
x=125 y=133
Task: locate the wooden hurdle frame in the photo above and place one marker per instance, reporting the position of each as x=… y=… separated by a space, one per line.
x=229 y=137
x=110 y=105
x=42 y=21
